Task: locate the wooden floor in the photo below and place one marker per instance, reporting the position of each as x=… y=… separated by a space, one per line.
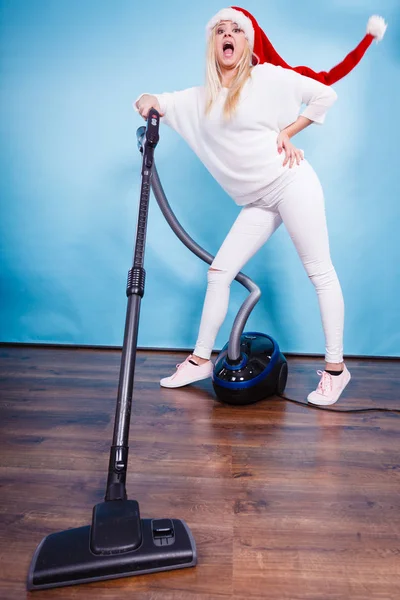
x=284 y=501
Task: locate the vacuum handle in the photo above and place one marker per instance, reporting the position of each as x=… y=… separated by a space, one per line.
x=149 y=134
x=153 y=127
x=152 y=137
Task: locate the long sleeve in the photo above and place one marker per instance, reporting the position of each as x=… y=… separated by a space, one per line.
x=317 y=96
x=175 y=106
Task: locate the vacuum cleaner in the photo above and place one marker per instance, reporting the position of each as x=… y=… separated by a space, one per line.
x=250 y=367
x=119 y=543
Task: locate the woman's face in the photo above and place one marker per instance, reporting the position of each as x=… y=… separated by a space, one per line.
x=230 y=43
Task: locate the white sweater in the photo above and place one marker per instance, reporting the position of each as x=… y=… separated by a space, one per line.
x=242 y=153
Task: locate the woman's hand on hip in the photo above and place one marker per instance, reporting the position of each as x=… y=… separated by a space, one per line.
x=292 y=153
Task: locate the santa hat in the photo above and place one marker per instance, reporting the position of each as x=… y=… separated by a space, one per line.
x=264 y=52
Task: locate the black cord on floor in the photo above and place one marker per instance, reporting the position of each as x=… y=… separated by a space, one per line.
x=338 y=410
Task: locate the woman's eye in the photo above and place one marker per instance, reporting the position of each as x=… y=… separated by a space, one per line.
x=219 y=31
x=237 y=30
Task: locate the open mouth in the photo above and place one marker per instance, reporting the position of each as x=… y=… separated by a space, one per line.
x=228 y=49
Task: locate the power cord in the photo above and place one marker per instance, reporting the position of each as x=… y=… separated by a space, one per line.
x=338 y=410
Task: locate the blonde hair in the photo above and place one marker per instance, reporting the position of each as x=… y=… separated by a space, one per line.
x=213 y=83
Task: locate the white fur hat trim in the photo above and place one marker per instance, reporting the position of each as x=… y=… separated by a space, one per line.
x=236 y=16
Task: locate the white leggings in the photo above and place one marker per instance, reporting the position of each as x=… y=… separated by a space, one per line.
x=297 y=200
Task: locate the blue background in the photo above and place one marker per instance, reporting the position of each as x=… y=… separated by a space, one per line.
x=70 y=70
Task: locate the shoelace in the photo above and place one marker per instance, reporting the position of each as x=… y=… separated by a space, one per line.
x=183 y=363
x=325 y=385
x=179 y=365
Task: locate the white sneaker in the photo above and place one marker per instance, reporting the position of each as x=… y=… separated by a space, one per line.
x=329 y=388
x=186 y=373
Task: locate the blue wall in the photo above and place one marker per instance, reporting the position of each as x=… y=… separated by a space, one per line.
x=70 y=70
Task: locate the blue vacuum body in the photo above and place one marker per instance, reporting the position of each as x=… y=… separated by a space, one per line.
x=260 y=372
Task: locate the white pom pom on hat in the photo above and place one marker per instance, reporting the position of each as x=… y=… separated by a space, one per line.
x=376 y=26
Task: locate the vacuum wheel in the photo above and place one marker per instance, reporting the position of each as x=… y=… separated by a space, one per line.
x=282 y=379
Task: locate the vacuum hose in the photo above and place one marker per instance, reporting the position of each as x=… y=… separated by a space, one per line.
x=234 y=355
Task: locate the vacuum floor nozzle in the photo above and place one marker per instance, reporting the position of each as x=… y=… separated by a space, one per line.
x=96 y=552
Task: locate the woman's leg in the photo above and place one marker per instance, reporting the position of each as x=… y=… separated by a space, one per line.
x=302 y=210
x=253 y=227
x=250 y=231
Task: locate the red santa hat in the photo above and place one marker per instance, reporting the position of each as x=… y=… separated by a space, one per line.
x=265 y=52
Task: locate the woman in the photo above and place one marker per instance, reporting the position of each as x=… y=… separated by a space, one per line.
x=239 y=124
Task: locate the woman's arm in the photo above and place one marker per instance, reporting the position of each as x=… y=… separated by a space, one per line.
x=177 y=109
x=300 y=124
x=298 y=89
x=317 y=96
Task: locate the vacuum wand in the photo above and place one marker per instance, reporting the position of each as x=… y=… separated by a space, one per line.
x=116 y=489
x=119 y=543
